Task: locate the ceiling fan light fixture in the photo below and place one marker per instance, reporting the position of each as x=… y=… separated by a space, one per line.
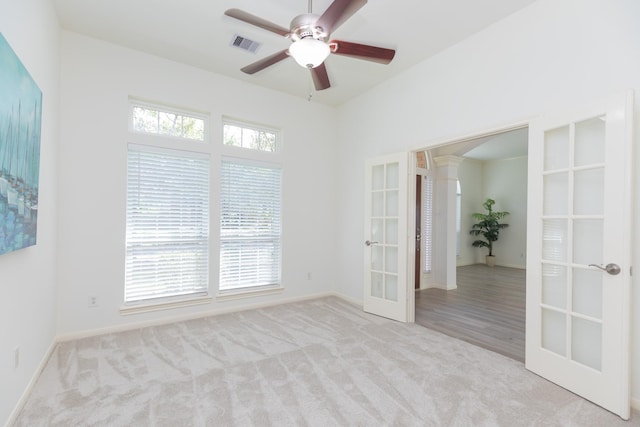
x=309 y=52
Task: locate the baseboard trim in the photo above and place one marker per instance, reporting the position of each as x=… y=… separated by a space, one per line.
x=437 y=286
x=181 y=318
x=519 y=267
x=32 y=382
x=635 y=404
x=352 y=301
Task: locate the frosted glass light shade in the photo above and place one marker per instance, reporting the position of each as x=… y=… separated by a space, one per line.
x=309 y=52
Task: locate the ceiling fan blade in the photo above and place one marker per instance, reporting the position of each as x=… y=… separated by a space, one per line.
x=362 y=51
x=265 y=62
x=257 y=21
x=320 y=77
x=338 y=12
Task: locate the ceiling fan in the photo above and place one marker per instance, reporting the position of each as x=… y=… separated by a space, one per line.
x=308 y=34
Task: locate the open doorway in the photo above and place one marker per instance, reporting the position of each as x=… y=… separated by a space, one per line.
x=456 y=293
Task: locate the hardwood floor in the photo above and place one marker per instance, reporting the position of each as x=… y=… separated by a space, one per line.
x=487 y=309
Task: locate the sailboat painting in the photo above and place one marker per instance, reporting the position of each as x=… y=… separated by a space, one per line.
x=20 y=119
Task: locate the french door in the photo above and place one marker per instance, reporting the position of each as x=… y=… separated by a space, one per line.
x=579 y=251
x=386 y=234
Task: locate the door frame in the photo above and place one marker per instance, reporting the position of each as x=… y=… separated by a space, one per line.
x=411 y=189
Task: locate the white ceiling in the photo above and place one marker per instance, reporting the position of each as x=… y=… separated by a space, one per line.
x=505 y=145
x=197 y=33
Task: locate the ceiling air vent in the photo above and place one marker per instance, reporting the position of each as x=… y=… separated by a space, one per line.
x=245 y=44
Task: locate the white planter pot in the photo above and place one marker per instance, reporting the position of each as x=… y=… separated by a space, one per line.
x=490 y=260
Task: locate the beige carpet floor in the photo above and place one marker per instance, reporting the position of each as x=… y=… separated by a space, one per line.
x=317 y=363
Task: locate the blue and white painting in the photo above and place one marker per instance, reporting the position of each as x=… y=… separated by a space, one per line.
x=20 y=117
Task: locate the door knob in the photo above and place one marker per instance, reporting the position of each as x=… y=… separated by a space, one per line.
x=610 y=268
x=369 y=243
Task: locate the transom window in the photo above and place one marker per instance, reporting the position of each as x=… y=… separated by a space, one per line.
x=237 y=134
x=167 y=122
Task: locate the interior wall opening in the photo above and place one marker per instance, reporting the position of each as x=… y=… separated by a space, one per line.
x=456 y=292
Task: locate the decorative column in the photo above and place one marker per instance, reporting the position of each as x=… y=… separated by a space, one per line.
x=444 y=239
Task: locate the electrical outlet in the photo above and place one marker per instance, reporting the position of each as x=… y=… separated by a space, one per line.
x=16 y=357
x=93 y=301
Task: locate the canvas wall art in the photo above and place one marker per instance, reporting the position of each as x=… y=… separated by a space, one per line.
x=20 y=118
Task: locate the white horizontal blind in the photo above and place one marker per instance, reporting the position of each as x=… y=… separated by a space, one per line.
x=427 y=227
x=167 y=250
x=250 y=225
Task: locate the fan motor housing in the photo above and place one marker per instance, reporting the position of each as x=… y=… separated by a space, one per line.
x=303 y=26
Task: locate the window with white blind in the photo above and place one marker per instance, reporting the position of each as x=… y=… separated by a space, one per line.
x=427 y=226
x=167 y=240
x=250 y=224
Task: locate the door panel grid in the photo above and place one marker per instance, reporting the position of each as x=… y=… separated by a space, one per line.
x=572 y=239
x=386 y=238
x=384 y=231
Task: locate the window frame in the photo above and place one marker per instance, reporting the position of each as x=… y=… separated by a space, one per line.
x=278 y=279
x=188 y=147
x=164 y=108
x=273 y=159
x=246 y=152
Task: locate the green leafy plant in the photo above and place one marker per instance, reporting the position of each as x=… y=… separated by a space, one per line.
x=488 y=226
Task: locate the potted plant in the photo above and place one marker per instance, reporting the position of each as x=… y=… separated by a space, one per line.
x=488 y=226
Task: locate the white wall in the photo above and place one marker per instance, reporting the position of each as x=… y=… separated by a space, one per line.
x=28 y=276
x=97 y=79
x=505 y=181
x=552 y=55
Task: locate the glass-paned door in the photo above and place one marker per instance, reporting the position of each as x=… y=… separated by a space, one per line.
x=385 y=246
x=578 y=264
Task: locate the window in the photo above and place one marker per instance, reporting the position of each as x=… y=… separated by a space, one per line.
x=251 y=137
x=167 y=122
x=167 y=244
x=167 y=216
x=250 y=206
x=427 y=214
x=249 y=225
